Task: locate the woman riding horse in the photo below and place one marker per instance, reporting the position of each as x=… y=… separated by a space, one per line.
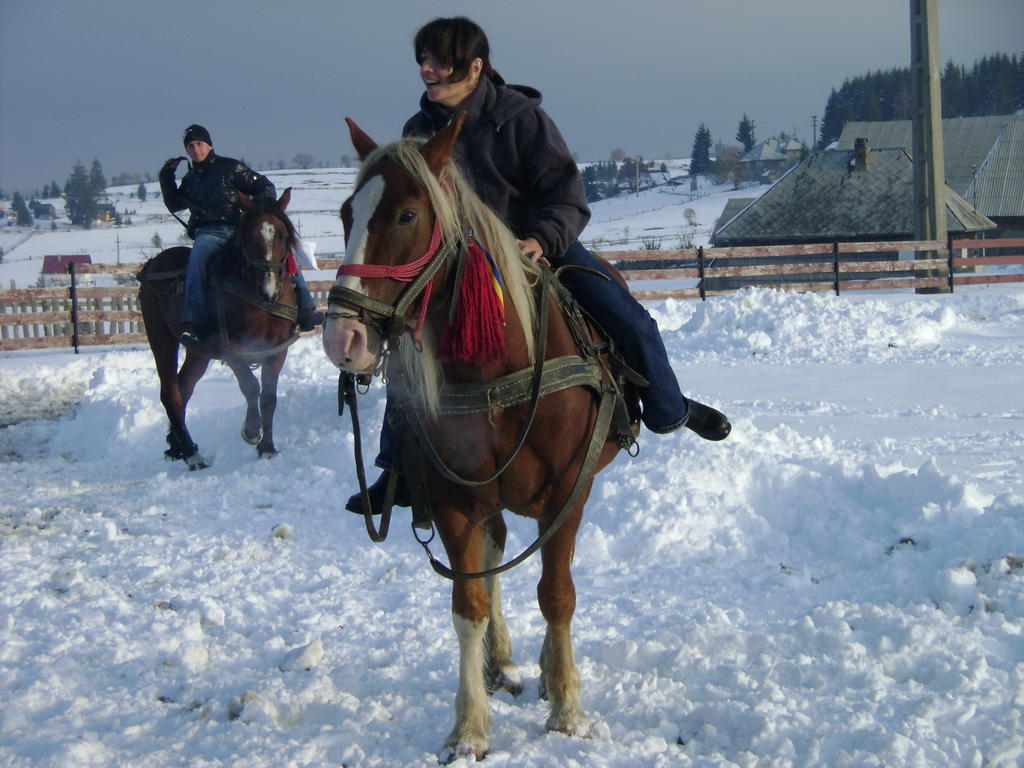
x=520 y=166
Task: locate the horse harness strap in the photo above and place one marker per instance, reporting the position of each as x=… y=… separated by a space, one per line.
x=511 y=390
x=247 y=293
x=583 y=479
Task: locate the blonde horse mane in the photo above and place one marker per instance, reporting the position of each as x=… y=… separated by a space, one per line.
x=458 y=210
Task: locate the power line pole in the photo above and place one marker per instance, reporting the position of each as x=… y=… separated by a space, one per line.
x=929 y=164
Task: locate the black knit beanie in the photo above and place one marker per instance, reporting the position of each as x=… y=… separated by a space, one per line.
x=196 y=133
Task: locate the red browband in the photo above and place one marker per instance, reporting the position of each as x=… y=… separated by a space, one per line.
x=404 y=273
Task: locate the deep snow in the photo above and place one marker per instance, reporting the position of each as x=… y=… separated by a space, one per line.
x=837 y=584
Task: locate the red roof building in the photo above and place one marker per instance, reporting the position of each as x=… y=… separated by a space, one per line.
x=58 y=265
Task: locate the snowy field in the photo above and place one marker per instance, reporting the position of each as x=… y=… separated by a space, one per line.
x=837 y=584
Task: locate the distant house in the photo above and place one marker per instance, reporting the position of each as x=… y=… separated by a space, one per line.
x=42 y=210
x=842 y=195
x=55 y=269
x=633 y=175
x=106 y=212
x=983 y=159
x=848 y=196
x=771 y=158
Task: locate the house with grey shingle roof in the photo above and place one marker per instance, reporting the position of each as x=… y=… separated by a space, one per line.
x=848 y=196
x=983 y=158
x=845 y=196
x=771 y=158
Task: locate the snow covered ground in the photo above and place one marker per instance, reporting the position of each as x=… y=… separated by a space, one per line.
x=837 y=584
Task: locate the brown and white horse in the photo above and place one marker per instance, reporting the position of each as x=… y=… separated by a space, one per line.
x=410 y=202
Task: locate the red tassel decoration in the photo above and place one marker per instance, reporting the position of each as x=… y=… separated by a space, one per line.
x=476 y=334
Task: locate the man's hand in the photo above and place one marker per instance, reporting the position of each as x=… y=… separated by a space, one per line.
x=172 y=163
x=532 y=250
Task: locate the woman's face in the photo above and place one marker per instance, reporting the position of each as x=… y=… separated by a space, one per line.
x=435 y=76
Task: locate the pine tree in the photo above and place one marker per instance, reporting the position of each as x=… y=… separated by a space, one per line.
x=97 y=181
x=745 y=133
x=80 y=199
x=142 y=192
x=700 y=155
x=831 y=121
x=21 y=212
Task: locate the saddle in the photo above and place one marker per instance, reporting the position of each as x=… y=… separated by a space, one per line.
x=166 y=272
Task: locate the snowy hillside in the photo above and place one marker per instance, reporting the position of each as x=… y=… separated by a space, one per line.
x=837 y=584
x=617 y=223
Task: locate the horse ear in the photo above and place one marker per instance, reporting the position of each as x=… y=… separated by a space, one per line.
x=363 y=144
x=438 y=150
x=284 y=199
x=244 y=199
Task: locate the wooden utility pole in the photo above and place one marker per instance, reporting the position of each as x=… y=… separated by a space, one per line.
x=926 y=115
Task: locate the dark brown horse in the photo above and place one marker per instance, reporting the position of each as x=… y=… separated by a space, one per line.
x=254 y=303
x=408 y=216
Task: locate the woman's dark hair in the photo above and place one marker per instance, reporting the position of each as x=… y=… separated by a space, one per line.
x=455 y=42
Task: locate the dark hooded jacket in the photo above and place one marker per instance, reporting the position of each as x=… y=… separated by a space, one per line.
x=517 y=161
x=210 y=191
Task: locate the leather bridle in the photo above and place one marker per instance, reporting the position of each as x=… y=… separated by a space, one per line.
x=389 y=320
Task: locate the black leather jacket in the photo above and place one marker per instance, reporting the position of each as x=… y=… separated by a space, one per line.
x=210 y=191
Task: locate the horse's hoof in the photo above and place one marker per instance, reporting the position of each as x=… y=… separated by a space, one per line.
x=463 y=749
x=195 y=461
x=504 y=680
x=571 y=724
x=255 y=438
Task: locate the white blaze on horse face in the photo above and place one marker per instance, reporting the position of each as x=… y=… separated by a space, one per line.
x=364 y=204
x=268 y=232
x=345 y=338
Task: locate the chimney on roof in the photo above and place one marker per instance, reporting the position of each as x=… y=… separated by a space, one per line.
x=860 y=154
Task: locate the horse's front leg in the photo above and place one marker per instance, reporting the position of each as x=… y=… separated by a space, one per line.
x=556 y=594
x=499 y=671
x=270 y=374
x=252 y=429
x=464 y=544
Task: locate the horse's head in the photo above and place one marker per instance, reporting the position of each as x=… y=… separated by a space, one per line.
x=393 y=246
x=265 y=237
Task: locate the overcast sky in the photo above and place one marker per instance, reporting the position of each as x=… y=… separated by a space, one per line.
x=119 y=80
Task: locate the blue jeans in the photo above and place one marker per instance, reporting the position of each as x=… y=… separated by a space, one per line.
x=634 y=332
x=303 y=298
x=636 y=337
x=208 y=241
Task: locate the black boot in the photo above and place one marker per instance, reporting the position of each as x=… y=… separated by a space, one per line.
x=706 y=421
x=310 y=319
x=196 y=333
x=376 y=492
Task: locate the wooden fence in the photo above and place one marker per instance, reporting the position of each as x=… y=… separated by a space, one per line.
x=83 y=315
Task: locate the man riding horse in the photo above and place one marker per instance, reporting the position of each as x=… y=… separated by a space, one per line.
x=210 y=192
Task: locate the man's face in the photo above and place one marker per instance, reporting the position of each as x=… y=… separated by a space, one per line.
x=198 y=150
